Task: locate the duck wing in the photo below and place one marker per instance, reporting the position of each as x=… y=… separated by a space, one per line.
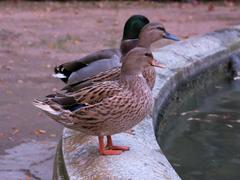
x=109 y=75
x=74 y=71
x=93 y=109
x=83 y=97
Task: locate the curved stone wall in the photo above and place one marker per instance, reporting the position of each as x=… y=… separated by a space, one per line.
x=145 y=159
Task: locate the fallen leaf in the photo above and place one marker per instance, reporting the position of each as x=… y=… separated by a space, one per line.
x=15 y=131
x=211 y=7
x=5 y=67
x=162 y=20
x=42 y=131
x=43 y=142
x=11 y=138
x=20 y=81
x=185 y=37
x=53 y=135
x=99 y=20
x=77 y=42
x=50 y=46
x=1 y=135
x=39 y=131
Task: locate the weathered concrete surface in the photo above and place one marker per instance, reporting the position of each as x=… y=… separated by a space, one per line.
x=145 y=159
x=21 y=162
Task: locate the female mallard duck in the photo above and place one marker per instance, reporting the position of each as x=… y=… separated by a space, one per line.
x=103 y=60
x=151 y=33
x=109 y=107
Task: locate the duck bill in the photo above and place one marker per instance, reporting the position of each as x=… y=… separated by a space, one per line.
x=170 y=36
x=155 y=63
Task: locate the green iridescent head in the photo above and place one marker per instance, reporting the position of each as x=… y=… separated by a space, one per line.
x=133 y=26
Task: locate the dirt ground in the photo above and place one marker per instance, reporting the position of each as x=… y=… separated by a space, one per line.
x=34 y=37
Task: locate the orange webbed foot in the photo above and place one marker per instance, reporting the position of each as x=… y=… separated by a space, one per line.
x=113 y=147
x=122 y=148
x=110 y=152
x=110 y=149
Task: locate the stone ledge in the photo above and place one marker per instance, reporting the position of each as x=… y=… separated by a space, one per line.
x=145 y=159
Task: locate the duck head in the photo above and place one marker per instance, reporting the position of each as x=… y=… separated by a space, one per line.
x=153 y=32
x=133 y=27
x=136 y=60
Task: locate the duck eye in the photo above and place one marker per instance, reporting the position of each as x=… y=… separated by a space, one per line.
x=149 y=55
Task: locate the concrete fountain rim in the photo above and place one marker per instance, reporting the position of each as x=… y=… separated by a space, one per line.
x=184 y=59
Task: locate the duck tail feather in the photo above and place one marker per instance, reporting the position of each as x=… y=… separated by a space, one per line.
x=45 y=107
x=59 y=75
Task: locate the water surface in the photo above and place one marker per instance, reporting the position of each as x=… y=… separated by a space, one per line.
x=202 y=136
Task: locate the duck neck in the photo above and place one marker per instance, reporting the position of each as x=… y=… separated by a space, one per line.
x=127 y=45
x=144 y=42
x=134 y=82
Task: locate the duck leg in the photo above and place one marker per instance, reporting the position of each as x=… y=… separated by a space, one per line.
x=113 y=147
x=104 y=151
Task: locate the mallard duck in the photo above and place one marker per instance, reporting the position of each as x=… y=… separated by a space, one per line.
x=151 y=33
x=109 y=107
x=103 y=60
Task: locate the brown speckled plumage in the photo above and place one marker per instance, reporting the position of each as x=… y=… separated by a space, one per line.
x=108 y=116
x=108 y=107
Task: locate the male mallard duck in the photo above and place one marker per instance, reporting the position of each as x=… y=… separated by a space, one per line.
x=103 y=60
x=151 y=33
x=109 y=107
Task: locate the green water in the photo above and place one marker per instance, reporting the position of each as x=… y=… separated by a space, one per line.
x=201 y=137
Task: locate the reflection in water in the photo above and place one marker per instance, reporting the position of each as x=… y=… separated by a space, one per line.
x=203 y=140
x=236 y=66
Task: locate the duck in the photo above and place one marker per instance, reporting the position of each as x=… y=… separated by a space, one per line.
x=151 y=33
x=102 y=60
x=107 y=108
